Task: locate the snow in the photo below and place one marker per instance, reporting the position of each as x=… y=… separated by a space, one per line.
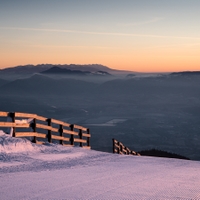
x=9 y=144
x=30 y=171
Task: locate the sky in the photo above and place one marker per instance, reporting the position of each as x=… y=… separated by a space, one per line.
x=136 y=35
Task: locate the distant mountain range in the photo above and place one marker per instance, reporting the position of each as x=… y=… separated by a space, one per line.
x=185 y=73
x=63 y=71
x=72 y=68
x=84 y=72
x=40 y=84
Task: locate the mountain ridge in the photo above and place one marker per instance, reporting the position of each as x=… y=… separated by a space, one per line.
x=58 y=70
x=29 y=69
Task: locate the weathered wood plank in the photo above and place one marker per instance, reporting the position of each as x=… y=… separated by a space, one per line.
x=7 y=124
x=42 y=126
x=25 y=134
x=25 y=115
x=120 y=144
x=41 y=118
x=56 y=137
x=66 y=139
x=55 y=129
x=116 y=146
x=30 y=134
x=86 y=135
x=55 y=121
x=4 y=114
x=12 y=124
x=40 y=135
x=70 y=132
x=133 y=152
x=80 y=127
x=79 y=140
x=115 y=141
x=66 y=124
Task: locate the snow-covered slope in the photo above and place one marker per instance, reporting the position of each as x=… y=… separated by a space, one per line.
x=30 y=171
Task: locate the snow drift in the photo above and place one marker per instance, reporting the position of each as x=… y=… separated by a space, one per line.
x=10 y=144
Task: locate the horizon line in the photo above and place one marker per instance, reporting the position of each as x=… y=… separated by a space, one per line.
x=127 y=70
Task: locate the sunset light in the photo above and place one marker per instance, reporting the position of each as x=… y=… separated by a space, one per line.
x=143 y=36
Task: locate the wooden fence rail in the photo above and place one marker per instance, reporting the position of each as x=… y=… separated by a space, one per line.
x=119 y=148
x=42 y=129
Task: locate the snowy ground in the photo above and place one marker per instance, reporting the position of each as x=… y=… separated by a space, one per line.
x=29 y=171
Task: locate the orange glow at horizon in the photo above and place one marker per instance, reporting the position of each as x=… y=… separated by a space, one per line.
x=126 y=35
x=139 y=60
x=119 y=65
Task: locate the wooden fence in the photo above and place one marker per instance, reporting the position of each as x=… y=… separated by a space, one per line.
x=119 y=148
x=41 y=129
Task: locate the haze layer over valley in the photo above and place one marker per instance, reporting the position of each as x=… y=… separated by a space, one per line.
x=142 y=111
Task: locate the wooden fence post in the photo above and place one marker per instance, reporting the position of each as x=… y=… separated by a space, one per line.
x=118 y=150
x=34 y=130
x=128 y=150
x=121 y=148
x=49 y=131
x=61 y=133
x=12 y=115
x=72 y=136
x=88 y=138
x=113 y=145
x=81 y=137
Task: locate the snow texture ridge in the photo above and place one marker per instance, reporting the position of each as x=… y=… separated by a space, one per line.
x=50 y=171
x=10 y=144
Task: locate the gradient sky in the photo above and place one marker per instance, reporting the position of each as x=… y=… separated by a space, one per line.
x=137 y=35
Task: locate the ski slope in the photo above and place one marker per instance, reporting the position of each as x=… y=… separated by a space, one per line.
x=30 y=171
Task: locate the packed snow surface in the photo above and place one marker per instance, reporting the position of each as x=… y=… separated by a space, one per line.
x=30 y=171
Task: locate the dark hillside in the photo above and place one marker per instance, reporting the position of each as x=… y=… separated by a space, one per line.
x=144 y=113
x=159 y=153
x=58 y=70
x=186 y=73
x=42 y=85
x=3 y=82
